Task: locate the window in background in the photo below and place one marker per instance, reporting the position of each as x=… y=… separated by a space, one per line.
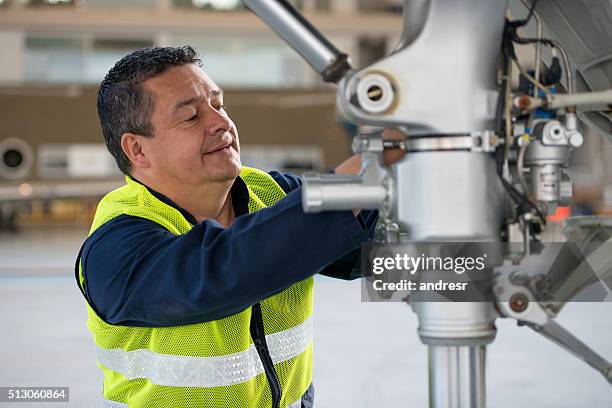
x=389 y=6
x=257 y=62
x=74 y=60
x=119 y=3
x=322 y=5
x=224 y=5
x=51 y=3
x=221 y=5
x=251 y=61
x=53 y=59
x=103 y=54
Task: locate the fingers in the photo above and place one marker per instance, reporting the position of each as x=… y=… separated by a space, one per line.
x=392 y=134
x=393 y=155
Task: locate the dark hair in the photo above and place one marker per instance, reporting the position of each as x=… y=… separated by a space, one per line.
x=123 y=103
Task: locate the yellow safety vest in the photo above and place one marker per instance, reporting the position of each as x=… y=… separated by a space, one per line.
x=210 y=364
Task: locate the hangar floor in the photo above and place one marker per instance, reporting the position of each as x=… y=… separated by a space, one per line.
x=367 y=355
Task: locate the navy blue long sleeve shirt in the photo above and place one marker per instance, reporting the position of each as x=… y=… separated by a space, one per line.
x=138 y=273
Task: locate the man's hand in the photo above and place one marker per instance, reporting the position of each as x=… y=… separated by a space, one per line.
x=391 y=156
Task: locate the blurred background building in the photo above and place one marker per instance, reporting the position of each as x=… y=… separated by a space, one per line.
x=54 y=167
x=56 y=52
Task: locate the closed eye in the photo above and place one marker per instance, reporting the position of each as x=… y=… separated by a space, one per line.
x=192 y=118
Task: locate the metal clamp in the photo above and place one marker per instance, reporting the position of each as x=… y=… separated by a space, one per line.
x=485 y=141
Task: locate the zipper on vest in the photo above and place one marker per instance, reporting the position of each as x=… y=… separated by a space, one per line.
x=259 y=339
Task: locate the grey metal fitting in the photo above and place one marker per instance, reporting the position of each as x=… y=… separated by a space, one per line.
x=364 y=143
x=551 y=133
x=334 y=193
x=456 y=323
x=555 y=133
x=375 y=93
x=565 y=189
x=574 y=136
x=546 y=182
x=546 y=155
x=571 y=121
x=539 y=154
x=330 y=192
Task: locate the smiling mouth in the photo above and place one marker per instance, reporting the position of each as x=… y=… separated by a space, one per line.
x=224 y=148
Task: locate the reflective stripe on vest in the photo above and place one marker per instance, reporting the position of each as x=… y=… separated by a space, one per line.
x=216 y=371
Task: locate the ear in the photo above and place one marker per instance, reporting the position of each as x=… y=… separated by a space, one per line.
x=132 y=146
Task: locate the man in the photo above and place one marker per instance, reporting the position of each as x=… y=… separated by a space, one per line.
x=198 y=272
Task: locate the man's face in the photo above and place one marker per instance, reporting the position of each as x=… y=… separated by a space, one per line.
x=194 y=140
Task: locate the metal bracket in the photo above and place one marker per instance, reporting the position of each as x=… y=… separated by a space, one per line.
x=516 y=300
x=371 y=189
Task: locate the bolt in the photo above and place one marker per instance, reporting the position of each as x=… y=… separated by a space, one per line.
x=519 y=302
x=523 y=102
x=556 y=133
x=375 y=93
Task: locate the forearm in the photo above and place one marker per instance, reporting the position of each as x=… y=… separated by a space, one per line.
x=212 y=272
x=348 y=267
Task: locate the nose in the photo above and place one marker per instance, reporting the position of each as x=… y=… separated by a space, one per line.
x=218 y=122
